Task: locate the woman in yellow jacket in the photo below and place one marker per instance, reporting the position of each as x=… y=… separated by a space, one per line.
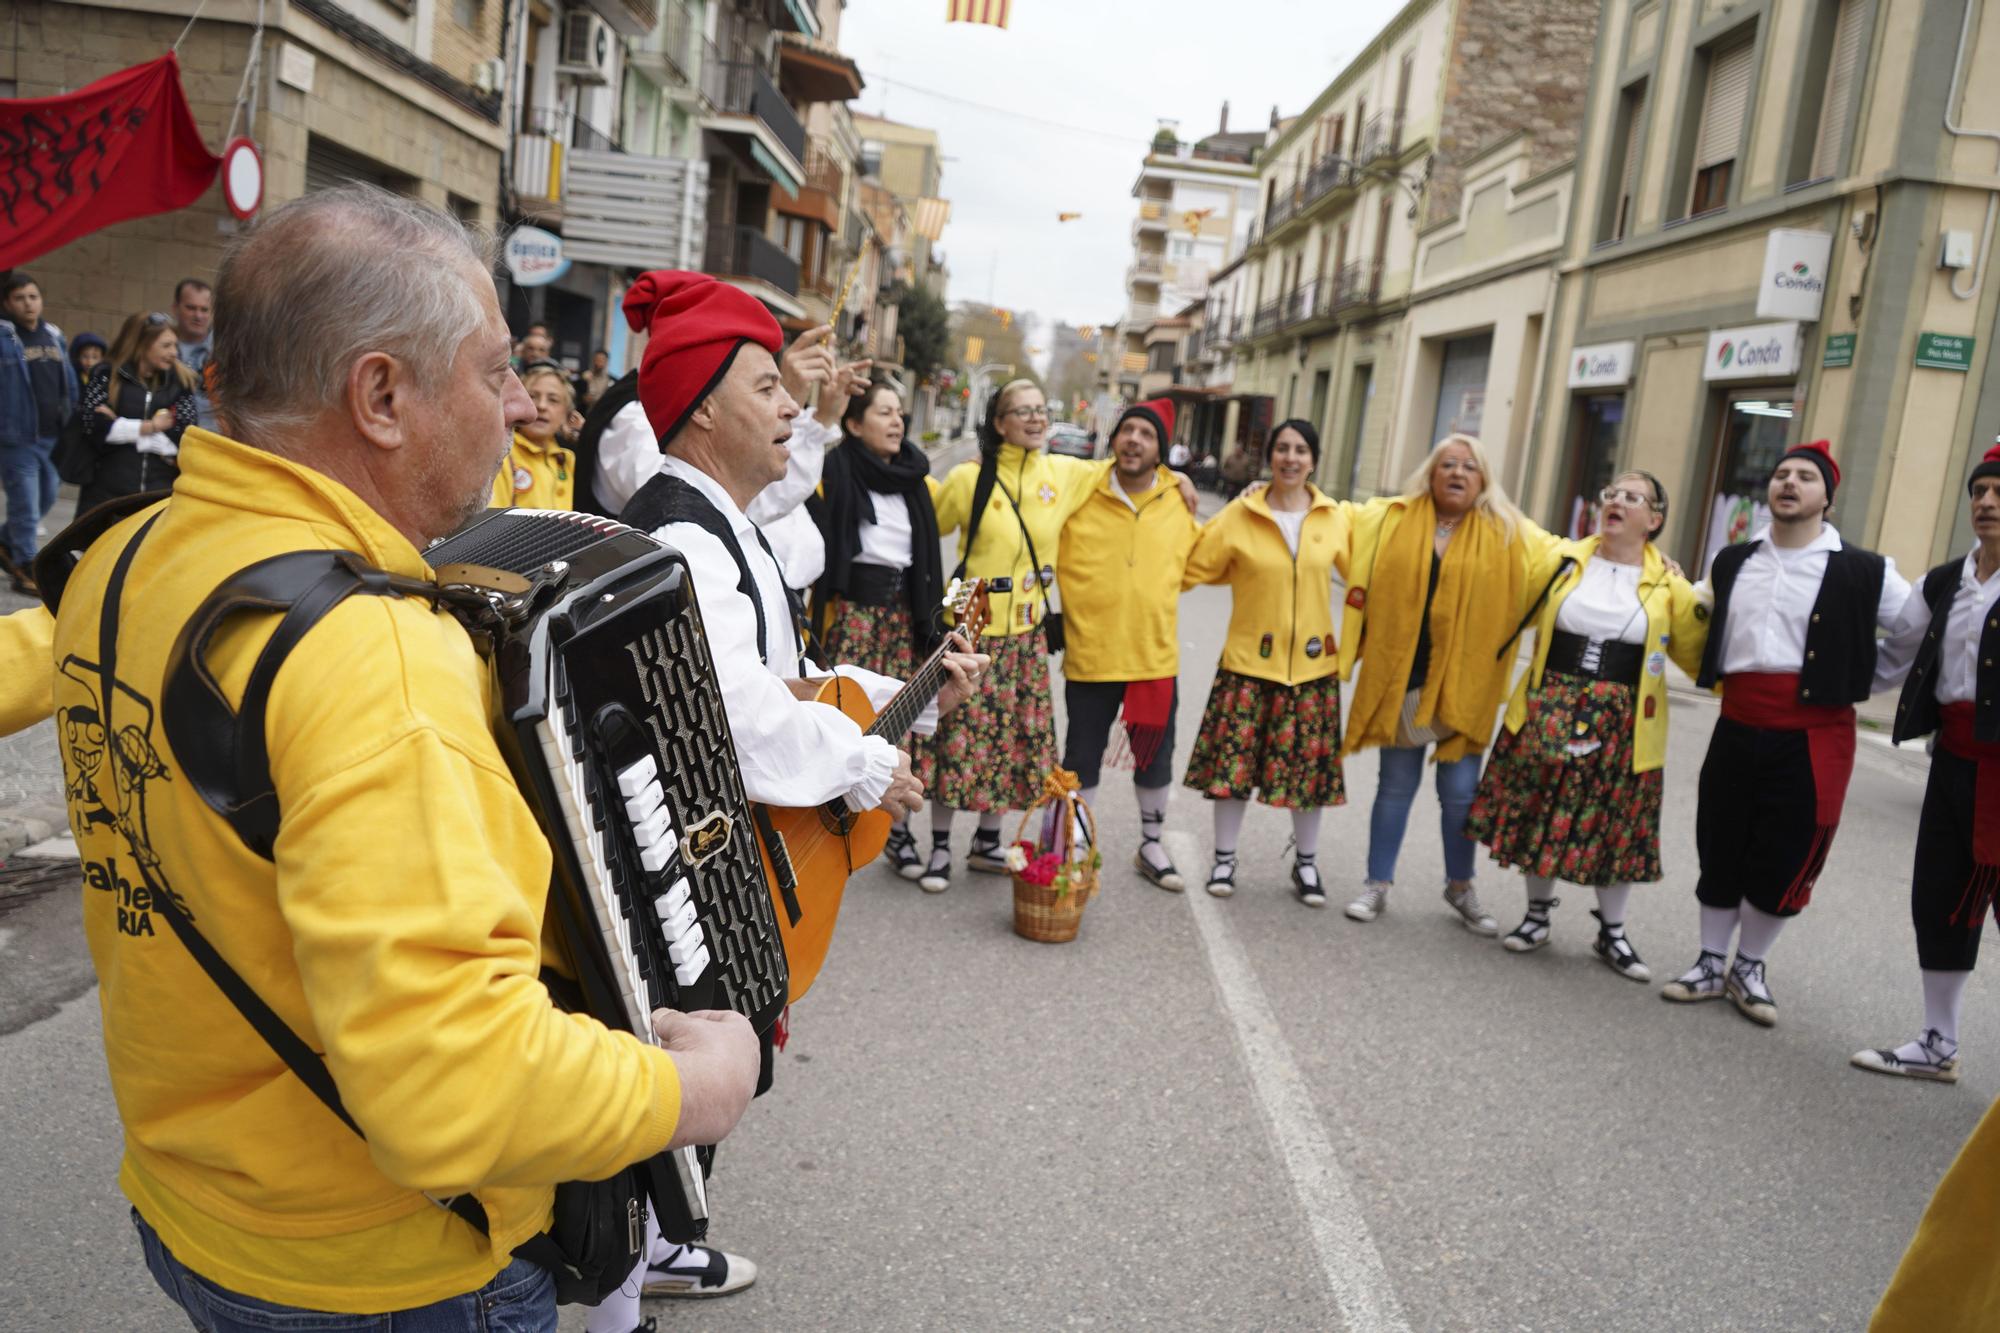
x=539 y=473
x=1437 y=580
x=1008 y=509
x=1272 y=725
x=1573 y=792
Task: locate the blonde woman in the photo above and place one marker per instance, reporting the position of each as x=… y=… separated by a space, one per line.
x=1437 y=583
x=136 y=404
x=539 y=473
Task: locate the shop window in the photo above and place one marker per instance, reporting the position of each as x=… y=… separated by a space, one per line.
x=1725 y=99
x=1461 y=400
x=1593 y=455
x=1756 y=426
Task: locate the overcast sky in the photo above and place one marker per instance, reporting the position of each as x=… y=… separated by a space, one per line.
x=1095 y=76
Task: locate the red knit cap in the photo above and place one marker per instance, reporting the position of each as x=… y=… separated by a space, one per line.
x=1159 y=411
x=1821 y=453
x=1988 y=466
x=695 y=325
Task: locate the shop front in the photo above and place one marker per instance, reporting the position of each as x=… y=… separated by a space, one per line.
x=1752 y=377
x=1598 y=379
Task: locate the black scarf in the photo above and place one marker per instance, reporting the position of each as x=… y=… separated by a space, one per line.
x=854 y=474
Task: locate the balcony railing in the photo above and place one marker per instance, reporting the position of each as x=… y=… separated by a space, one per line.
x=1300 y=305
x=1356 y=285
x=1381 y=136
x=824 y=171
x=745 y=252
x=740 y=88
x=1328 y=174
x=677 y=33
x=1269 y=317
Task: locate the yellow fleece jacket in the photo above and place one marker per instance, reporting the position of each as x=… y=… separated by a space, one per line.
x=398 y=928
x=1121 y=564
x=536 y=476
x=1281 y=604
x=25 y=669
x=1675 y=628
x=1048 y=488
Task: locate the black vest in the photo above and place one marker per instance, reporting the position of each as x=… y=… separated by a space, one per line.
x=666 y=499
x=1917 y=709
x=1840 y=638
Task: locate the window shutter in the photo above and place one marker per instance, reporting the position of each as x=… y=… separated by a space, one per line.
x=1836 y=113
x=1629 y=187
x=1722 y=110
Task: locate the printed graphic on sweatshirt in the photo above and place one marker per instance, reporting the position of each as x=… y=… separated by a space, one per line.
x=110 y=769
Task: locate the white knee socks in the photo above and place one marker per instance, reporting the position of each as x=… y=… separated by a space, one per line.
x=1228 y=825
x=1944 y=993
x=1718 y=929
x=1152 y=823
x=1611 y=903
x=619 y=1312
x=1760 y=931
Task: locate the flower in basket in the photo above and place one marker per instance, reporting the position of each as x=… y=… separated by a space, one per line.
x=1037 y=868
x=1017 y=857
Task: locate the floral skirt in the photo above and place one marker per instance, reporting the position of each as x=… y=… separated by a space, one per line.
x=994 y=750
x=878 y=639
x=1278 y=742
x=1545 y=810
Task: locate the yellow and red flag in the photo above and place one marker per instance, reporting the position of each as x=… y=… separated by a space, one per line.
x=994 y=12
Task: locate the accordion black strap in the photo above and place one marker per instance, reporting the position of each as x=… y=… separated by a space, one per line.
x=666 y=499
x=309 y=1065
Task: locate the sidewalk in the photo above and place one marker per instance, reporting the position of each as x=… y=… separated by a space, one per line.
x=31 y=781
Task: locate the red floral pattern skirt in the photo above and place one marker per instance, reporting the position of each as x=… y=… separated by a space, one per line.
x=994 y=749
x=878 y=639
x=1582 y=818
x=1280 y=743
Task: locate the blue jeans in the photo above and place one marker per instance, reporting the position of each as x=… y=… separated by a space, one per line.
x=29 y=474
x=522 y=1299
x=1402 y=773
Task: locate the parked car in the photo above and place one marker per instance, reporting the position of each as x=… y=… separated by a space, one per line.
x=1072 y=440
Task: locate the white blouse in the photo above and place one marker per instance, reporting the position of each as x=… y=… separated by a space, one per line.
x=886 y=541
x=1291 y=522
x=1605 y=604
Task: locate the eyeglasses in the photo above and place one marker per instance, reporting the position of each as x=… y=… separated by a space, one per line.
x=1026 y=412
x=1469 y=469
x=156 y=319
x=1619 y=495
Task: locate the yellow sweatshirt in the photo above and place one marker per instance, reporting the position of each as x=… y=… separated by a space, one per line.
x=25 y=669
x=399 y=929
x=1674 y=629
x=1281 y=605
x=536 y=476
x=1048 y=488
x=1121 y=562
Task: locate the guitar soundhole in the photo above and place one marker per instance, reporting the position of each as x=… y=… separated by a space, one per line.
x=836 y=818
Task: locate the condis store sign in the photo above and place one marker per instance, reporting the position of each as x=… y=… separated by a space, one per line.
x=1753 y=352
x=1794 y=281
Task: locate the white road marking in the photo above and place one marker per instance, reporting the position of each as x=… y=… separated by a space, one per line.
x=1347 y=1255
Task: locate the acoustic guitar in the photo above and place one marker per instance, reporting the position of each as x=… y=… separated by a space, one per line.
x=809 y=853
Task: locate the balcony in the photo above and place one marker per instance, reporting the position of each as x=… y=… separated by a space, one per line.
x=751 y=260
x=820 y=197
x=628 y=18
x=1152 y=217
x=1330 y=173
x=627 y=210
x=1269 y=317
x=1301 y=305
x=749 y=105
x=1381 y=136
x=1356 y=286
x=812 y=69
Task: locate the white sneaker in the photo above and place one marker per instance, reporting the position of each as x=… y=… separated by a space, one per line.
x=1374 y=901
x=1930 y=1057
x=697 y=1270
x=1465 y=902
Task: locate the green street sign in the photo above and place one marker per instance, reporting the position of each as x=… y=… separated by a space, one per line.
x=1944 y=351
x=1839 y=351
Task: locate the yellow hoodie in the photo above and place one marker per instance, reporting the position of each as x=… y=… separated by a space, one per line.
x=1121 y=566
x=24 y=669
x=1048 y=488
x=1676 y=627
x=1281 y=605
x=399 y=929
x=536 y=476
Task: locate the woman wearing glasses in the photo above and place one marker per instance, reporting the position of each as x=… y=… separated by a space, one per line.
x=1008 y=509
x=1437 y=581
x=1573 y=792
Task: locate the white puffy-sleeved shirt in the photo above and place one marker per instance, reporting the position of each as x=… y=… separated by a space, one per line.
x=780 y=508
x=791 y=752
x=1772 y=601
x=1958 y=656
x=628 y=454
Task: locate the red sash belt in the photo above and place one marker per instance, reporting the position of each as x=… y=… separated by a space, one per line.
x=1770 y=700
x=1956 y=736
x=1148 y=705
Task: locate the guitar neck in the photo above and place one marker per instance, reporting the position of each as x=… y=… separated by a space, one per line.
x=901 y=712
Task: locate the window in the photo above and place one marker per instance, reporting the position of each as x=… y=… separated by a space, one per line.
x=1333 y=140
x=1384 y=219
x=1402 y=99
x=1836 y=111
x=1721 y=134
x=465 y=13
x=871 y=157
x=1624 y=197
x=1360 y=118
x=792 y=237
x=1180 y=247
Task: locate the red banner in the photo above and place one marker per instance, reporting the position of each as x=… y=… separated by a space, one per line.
x=123 y=147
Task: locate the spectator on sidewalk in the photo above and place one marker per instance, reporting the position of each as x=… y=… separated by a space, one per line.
x=1179 y=456
x=194 y=321
x=86 y=353
x=535 y=345
x=137 y=404
x=1237 y=471
x=591 y=384
x=38 y=392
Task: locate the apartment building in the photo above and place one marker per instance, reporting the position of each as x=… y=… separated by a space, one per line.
x=407 y=96
x=1405 y=149
x=1781 y=231
x=907 y=161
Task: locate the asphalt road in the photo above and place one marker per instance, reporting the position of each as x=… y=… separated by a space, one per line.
x=1243 y=1113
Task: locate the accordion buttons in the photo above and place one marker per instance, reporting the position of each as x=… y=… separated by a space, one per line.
x=651 y=829
x=670 y=902
x=634 y=779
x=680 y=923
x=655 y=858
x=640 y=807
x=687 y=973
x=684 y=948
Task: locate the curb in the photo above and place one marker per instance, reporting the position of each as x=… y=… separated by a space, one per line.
x=25 y=825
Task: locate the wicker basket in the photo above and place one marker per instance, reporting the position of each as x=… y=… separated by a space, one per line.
x=1044 y=912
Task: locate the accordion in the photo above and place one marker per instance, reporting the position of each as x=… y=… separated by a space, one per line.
x=611 y=719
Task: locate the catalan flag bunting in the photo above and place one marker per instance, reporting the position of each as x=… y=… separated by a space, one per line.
x=931 y=215
x=1068 y=217
x=994 y=12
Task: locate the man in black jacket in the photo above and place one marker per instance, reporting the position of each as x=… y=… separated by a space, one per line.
x=1793 y=646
